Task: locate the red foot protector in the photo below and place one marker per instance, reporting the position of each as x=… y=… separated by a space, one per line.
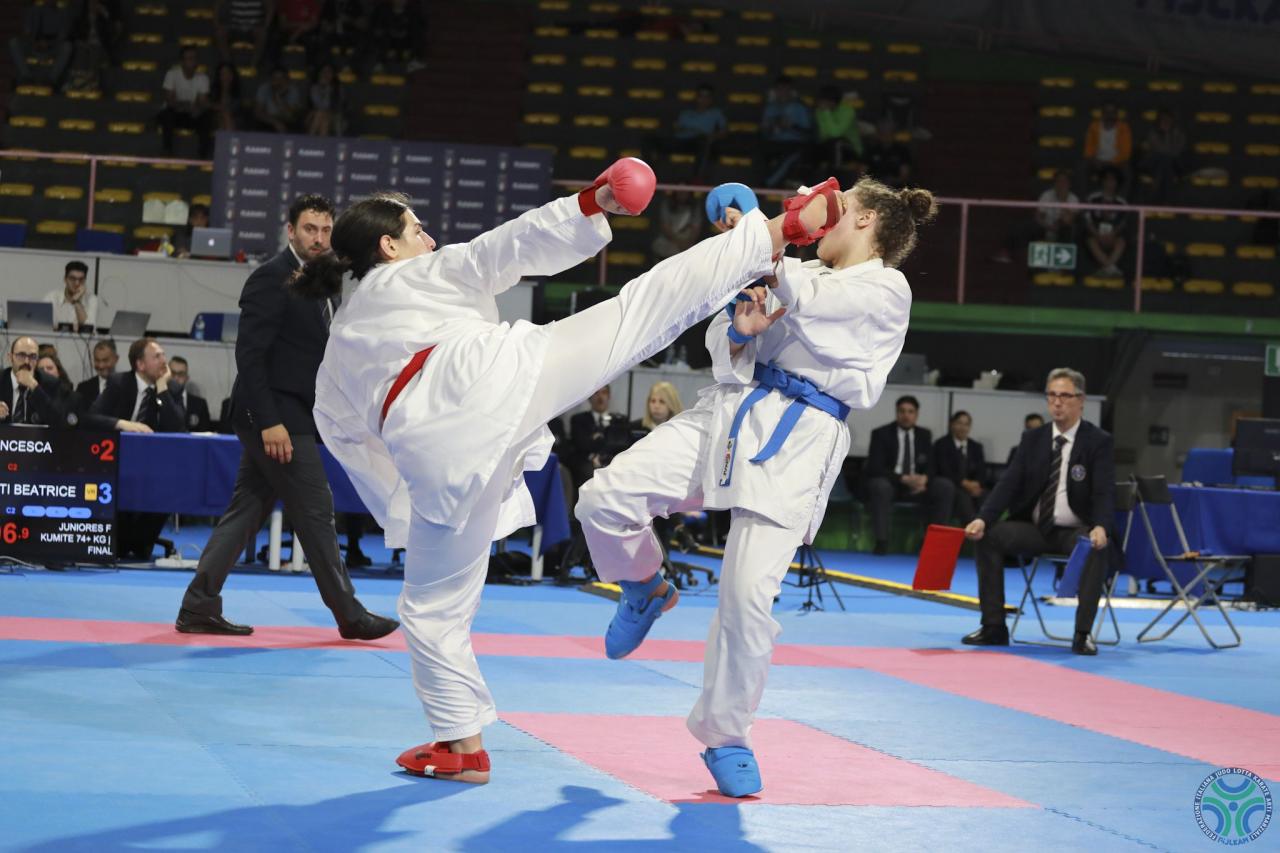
x=431 y=759
x=794 y=232
x=632 y=182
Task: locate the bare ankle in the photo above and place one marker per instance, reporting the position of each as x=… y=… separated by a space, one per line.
x=466 y=745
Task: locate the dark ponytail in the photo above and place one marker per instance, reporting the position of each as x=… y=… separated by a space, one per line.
x=356 y=236
x=320 y=277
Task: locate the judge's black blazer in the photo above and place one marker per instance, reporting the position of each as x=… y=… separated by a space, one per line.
x=1091 y=475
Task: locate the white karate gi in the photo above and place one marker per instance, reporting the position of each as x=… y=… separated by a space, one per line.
x=843 y=331
x=444 y=474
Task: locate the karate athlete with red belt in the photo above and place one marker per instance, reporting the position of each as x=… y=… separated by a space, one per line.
x=766 y=443
x=435 y=408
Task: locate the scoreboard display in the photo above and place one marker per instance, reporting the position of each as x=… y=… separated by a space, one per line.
x=57 y=495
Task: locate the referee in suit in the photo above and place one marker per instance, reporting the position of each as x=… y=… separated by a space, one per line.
x=278 y=352
x=1059 y=486
x=962 y=461
x=900 y=467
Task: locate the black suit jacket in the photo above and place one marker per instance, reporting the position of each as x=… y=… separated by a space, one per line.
x=1091 y=475
x=278 y=351
x=87 y=392
x=884 y=452
x=948 y=463
x=587 y=438
x=41 y=400
x=197 y=411
x=117 y=400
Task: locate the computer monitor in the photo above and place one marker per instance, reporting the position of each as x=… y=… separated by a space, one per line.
x=909 y=369
x=129 y=325
x=29 y=316
x=211 y=243
x=1257 y=447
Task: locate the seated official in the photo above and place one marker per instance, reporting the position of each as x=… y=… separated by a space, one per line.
x=195 y=406
x=597 y=436
x=27 y=396
x=961 y=460
x=1060 y=486
x=900 y=467
x=139 y=401
x=105 y=359
x=74 y=307
x=66 y=404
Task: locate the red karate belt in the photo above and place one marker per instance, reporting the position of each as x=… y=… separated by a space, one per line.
x=410 y=370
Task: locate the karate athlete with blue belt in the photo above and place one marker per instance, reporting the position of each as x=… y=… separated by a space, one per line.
x=766 y=442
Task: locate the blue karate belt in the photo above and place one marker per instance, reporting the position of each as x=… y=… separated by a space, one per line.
x=802 y=392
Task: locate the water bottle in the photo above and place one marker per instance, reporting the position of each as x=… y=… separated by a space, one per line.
x=197 y=331
x=166 y=247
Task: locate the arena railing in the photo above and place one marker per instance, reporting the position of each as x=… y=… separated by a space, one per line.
x=965 y=207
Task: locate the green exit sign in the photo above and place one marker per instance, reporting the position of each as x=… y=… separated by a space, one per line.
x=1273 y=360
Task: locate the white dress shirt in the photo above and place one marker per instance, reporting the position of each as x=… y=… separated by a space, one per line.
x=65 y=312
x=137 y=400
x=1062 y=514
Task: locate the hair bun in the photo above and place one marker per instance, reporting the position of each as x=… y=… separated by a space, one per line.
x=920 y=203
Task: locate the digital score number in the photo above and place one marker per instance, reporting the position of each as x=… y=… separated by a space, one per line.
x=57 y=495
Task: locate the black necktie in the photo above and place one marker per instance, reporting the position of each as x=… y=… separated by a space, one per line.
x=1050 y=495
x=908 y=454
x=149 y=410
x=20 y=407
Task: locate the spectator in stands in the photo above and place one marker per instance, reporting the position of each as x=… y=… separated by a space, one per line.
x=1031 y=421
x=1105 y=228
x=960 y=459
x=278 y=105
x=327 y=103
x=597 y=435
x=839 y=145
x=888 y=160
x=26 y=395
x=1164 y=155
x=698 y=130
x=74 y=307
x=680 y=221
x=42 y=51
x=900 y=467
x=98 y=27
x=1108 y=144
x=104 y=364
x=66 y=403
x=663 y=405
x=297 y=22
x=186 y=102
x=1059 y=487
x=196 y=407
x=1057 y=224
x=197 y=217
x=226 y=98
x=397 y=30
x=785 y=127
x=243 y=19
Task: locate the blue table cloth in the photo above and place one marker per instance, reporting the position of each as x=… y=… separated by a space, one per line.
x=195 y=475
x=1216 y=521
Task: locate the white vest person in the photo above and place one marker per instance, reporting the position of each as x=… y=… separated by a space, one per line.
x=435 y=408
x=765 y=443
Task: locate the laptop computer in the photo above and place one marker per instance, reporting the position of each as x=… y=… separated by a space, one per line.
x=211 y=242
x=130 y=325
x=29 y=316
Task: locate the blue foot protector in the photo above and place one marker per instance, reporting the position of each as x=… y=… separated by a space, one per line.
x=735 y=770
x=638 y=609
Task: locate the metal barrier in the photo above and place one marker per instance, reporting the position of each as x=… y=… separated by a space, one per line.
x=965 y=205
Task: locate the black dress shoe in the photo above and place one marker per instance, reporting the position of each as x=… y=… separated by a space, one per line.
x=1083 y=644
x=357 y=559
x=987 y=635
x=370 y=626
x=880 y=549
x=189 y=622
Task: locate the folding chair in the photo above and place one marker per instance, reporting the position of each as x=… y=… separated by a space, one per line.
x=1124 y=503
x=1153 y=492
